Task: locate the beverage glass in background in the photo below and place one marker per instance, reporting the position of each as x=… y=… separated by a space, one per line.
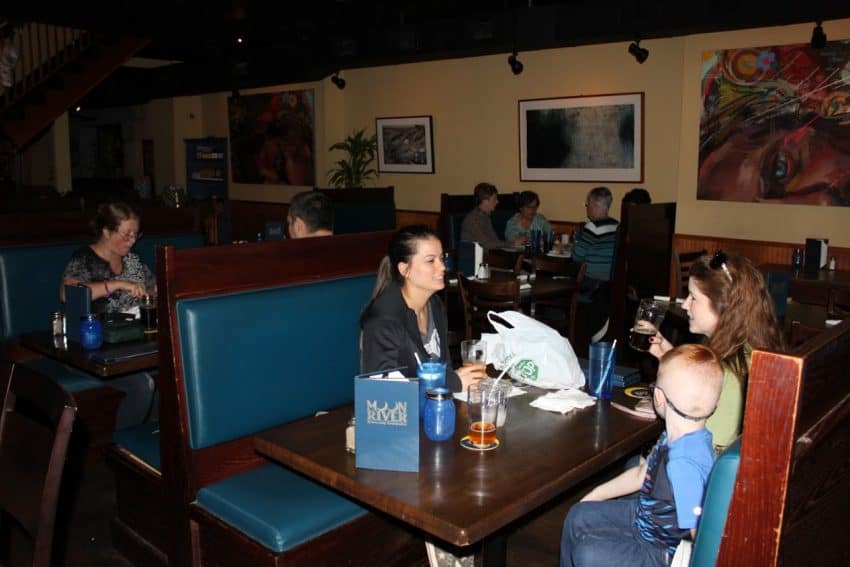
x=431 y=374
x=449 y=263
x=471 y=352
x=598 y=380
x=147 y=310
x=550 y=241
x=535 y=241
x=504 y=388
x=650 y=315
x=483 y=406
x=797 y=259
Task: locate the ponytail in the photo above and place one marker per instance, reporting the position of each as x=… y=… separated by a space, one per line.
x=383 y=278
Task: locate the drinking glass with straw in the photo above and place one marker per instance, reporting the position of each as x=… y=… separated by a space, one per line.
x=603 y=388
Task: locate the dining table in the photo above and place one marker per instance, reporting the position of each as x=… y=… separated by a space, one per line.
x=109 y=361
x=466 y=498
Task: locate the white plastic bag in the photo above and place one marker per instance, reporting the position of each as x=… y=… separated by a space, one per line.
x=541 y=356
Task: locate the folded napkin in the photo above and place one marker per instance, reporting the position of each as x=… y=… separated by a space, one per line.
x=563 y=401
x=514 y=392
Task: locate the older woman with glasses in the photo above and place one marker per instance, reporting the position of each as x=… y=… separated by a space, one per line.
x=117 y=277
x=729 y=304
x=527 y=219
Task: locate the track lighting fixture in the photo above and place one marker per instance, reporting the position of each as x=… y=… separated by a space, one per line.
x=639 y=53
x=516 y=64
x=818 y=37
x=338 y=81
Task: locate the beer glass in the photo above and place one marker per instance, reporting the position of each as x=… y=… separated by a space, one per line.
x=483 y=401
x=650 y=315
x=147 y=310
x=471 y=352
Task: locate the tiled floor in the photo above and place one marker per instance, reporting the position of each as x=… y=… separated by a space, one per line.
x=534 y=542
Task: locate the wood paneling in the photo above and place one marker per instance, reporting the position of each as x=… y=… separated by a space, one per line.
x=758 y=251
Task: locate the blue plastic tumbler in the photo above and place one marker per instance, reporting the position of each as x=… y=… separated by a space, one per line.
x=431 y=374
x=600 y=371
x=91 y=332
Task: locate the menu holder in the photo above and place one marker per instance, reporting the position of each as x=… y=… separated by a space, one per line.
x=386 y=408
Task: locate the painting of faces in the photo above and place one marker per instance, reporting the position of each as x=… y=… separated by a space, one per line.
x=271 y=138
x=775 y=125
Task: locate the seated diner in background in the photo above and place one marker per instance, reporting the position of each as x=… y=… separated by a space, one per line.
x=596 y=240
x=118 y=280
x=405 y=317
x=729 y=304
x=310 y=214
x=527 y=219
x=477 y=225
x=117 y=277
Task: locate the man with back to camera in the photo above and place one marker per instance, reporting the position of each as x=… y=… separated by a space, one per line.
x=310 y=214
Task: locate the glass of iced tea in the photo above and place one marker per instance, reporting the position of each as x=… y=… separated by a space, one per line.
x=471 y=352
x=483 y=404
x=650 y=315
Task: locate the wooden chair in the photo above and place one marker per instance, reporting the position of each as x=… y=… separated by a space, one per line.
x=838 y=303
x=504 y=260
x=682 y=262
x=479 y=297
x=35 y=430
x=564 y=320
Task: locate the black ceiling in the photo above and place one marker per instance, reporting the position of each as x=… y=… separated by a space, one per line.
x=286 y=42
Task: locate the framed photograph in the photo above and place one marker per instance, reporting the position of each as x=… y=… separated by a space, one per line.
x=582 y=138
x=405 y=145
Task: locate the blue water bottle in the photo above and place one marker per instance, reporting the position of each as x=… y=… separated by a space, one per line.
x=91 y=332
x=439 y=419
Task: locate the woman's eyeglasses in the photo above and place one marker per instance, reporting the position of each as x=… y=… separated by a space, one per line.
x=653 y=387
x=719 y=262
x=128 y=236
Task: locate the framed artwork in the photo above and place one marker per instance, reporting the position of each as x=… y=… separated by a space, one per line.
x=272 y=138
x=582 y=138
x=774 y=125
x=405 y=144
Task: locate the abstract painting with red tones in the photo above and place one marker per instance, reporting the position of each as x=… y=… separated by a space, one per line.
x=775 y=125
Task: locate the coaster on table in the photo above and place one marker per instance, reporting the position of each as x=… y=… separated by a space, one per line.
x=467 y=443
x=637 y=392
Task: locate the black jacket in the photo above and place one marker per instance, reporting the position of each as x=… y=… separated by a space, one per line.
x=391 y=335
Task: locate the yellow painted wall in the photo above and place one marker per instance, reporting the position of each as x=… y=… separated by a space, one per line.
x=473 y=103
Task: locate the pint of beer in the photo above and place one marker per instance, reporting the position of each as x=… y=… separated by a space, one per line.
x=650 y=315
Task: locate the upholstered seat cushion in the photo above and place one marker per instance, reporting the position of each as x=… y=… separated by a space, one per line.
x=141 y=442
x=718 y=494
x=277 y=507
x=66 y=376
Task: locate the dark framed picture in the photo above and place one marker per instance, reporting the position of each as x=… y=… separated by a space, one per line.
x=582 y=138
x=405 y=144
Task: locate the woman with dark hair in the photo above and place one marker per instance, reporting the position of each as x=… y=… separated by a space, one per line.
x=729 y=304
x=527 y=219
x=405 y=316
x=477 y=225
x=117 y=277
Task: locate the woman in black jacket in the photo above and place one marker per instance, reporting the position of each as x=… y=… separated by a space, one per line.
x=405 y=316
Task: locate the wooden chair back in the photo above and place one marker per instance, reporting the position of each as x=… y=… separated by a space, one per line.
x=681 y=271
x=547 y=266
x=790 y=502
x=35 y=429
x=504 y=260
x=479 y=297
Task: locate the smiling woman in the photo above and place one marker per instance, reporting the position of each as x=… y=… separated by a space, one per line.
x=117 y=277
x=405 y=318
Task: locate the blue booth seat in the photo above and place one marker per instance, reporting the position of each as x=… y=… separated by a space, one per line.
x=718 y=494
x=66 y=376
x=254 y=501
x=142 y=442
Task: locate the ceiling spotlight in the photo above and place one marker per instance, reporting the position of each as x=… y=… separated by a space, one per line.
x=818 y=37
x=516 y=64
x=639 y=53
x=338 y=81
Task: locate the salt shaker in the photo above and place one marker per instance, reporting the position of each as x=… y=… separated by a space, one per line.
x=58 y=324
x=349 y=435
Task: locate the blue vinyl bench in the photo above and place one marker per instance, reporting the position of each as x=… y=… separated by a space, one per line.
x=244 y=361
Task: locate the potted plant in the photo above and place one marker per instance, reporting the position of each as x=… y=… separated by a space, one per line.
x=356 y=167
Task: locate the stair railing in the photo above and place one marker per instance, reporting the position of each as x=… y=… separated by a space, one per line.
x=42 y=49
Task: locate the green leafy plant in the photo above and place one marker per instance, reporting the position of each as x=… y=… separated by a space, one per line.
x=356 y=167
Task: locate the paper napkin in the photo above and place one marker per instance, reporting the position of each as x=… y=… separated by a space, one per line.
x=563 y=401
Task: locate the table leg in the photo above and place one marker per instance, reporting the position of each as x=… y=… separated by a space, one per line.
x=493 y=551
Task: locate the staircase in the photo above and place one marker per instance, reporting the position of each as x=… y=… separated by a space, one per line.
x=56 y=67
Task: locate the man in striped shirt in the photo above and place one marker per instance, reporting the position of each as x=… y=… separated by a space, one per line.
x=595 y=244
x=597 y=239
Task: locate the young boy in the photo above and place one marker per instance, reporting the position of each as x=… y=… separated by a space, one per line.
x=646 y=530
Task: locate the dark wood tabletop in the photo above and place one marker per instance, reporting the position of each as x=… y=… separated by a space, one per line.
x=540 y=287
x=462 y=496
x=71 y=352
